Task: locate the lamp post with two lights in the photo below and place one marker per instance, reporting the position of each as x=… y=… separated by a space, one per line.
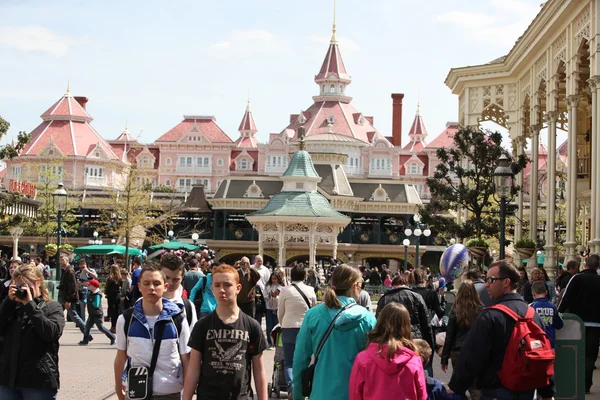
x=59 y=200
x=503 y=185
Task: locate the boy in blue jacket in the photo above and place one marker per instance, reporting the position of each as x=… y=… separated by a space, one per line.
x=95 y=313
x=435 y=388
x=546 y=310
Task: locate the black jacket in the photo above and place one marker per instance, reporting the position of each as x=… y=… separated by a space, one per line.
x=563 y=280
x=68 y=289
x=455 y=336
x=416 y=307
x=432 y=301
x=582 y=296
x=29 y=358
x=483 y=351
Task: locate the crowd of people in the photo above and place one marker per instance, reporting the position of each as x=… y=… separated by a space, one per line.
x=185 y=324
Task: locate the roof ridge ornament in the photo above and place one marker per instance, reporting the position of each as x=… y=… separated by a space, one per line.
x=333 y=38
x=68 y=92
x=301 y=133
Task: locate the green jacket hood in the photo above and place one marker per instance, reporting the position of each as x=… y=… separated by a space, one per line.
x=351 y=317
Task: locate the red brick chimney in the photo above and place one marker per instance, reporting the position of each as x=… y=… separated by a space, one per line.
x=397 y=119
x=82 y=100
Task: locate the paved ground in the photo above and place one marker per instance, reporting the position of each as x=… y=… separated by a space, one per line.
x=87 y=371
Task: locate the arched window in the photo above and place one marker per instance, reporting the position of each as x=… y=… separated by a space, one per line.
x=322 y=88
x=413 y=169
x=341 y=88
x=332 y=88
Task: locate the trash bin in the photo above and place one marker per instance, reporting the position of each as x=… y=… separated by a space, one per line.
x=52 y=289
x=569 y=365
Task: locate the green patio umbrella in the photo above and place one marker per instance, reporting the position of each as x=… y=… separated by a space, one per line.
x=175 y=245
x=106 y=249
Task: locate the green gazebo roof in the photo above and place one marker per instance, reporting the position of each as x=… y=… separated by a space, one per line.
x=298 y=204
x=301 y=165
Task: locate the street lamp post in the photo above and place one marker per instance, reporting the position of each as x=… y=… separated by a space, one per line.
x=503 y=182
x=406 y=243
x=419 y=229
x=195 y=238
x=59 y=198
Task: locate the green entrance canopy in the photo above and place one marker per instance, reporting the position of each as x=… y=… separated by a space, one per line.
x=541 y=258
x=106 y=249
x=174 y=246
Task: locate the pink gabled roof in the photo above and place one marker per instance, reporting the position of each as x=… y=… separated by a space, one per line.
x=207 y=125
x=72 y=138
x=126 y=137
x=247 y=124
x=317 y=120
x=247 y=142
x=446 y=138
x=414 y=145
x=67 y=108
x=333 y=64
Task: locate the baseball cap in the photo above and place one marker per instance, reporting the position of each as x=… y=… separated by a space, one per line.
x=94 y=282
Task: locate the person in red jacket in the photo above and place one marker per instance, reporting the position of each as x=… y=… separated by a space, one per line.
x=390 y=366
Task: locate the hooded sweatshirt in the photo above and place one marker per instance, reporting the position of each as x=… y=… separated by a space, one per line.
x=347 y=339
x=377 y=377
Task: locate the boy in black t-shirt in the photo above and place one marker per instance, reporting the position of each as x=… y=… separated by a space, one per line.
x=225 y=345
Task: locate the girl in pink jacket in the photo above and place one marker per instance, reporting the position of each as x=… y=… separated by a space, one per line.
x=389 y=368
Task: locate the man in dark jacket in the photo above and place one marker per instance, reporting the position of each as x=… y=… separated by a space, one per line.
x=415 y=305
x=481 y=358
x=480 y=286
x=582 y=298
x=68 y=292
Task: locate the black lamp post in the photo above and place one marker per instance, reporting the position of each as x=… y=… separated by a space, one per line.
x=503 y=182
x=59 y=198
x=419 y=229
x=406 y=243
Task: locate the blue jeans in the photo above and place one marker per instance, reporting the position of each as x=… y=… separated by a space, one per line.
x=75 y=317
x=98 y=322
x=7 y=393
x=289 y=344
x=271 y=316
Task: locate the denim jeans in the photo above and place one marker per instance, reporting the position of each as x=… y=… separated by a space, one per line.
x=7 y=393
x=75 y=317
x=271 y=316
x=98 y=322
x=289 y=344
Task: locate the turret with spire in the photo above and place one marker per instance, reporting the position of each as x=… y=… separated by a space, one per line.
x=247 y=129
x=417 y=133
x=332 y=77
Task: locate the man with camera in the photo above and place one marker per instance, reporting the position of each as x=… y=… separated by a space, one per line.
x=68 y=293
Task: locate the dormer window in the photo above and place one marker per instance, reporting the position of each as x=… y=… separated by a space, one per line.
x=414 y=169
x=331 y=119
x=97 y=154
x=341 y=88
x=51 y=152
x=244 y=164
x=332 y=88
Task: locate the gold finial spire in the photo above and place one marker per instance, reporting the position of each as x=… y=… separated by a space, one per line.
x=68 y=93
x=419 y=108
x=333 y=39
x=301 y=132
x=126 y=125
x=248 y=105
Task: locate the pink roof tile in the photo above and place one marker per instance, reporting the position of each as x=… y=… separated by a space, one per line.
x=445 y=139
x=247 y=124
x=414 y=145
x=418 y=127
x=247 y=142
x=206 y=125
x=66 y=108
x=333 y=64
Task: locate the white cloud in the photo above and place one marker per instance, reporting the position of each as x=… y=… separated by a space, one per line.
x=502 y=24
x=37 y=39
x=249 y=42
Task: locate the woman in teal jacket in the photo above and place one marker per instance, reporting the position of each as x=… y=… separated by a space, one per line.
x=347 y=339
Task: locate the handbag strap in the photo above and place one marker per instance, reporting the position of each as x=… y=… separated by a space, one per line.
x=159 y=334
x=302 y=294
x=331 y=325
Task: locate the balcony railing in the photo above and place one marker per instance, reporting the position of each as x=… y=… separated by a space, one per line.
x=188 y=169
x=95 y=181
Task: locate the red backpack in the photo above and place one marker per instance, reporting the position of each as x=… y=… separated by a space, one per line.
x=529 y=359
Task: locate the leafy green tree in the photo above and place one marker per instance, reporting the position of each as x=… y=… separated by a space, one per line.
x=12 y=150
x=464 y=179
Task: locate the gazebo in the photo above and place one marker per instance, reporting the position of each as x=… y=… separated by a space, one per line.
x=299 y=213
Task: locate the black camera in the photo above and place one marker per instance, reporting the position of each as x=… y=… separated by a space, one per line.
x=21 y=293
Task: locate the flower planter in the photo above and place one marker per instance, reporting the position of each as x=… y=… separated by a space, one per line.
x=477 y=252
x=525 y=253
x=50 y=252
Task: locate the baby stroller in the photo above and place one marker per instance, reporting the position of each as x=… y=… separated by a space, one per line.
x=277 y=384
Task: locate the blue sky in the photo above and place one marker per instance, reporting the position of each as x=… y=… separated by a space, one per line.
x=151 y=61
